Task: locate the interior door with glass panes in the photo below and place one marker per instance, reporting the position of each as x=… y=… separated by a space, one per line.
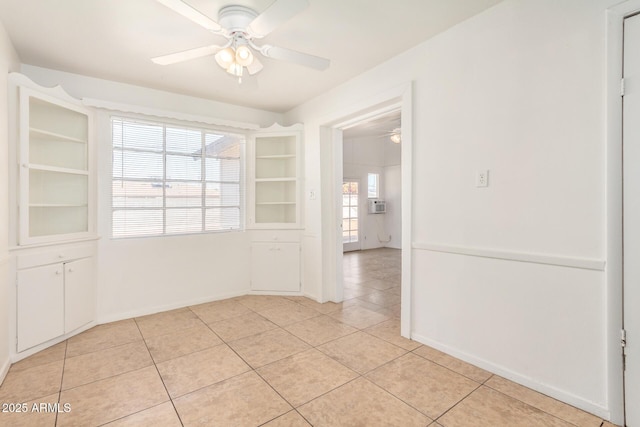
x=350 y=215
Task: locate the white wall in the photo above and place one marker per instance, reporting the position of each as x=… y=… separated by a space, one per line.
x=518 y=90
x=393 y=194
x=146 y=275
x=9 y=61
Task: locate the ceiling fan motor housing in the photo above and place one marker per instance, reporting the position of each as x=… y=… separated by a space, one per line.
x=236 y=18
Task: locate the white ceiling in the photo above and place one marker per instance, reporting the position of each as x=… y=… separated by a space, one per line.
x=114 y=39
x=378 y=127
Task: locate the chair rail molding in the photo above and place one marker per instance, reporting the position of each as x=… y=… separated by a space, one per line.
x=558 y=260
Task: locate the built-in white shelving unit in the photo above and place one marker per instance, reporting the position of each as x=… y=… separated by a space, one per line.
x=274 y=209
x=52 y=210
x=54 y=177
x=276 y=184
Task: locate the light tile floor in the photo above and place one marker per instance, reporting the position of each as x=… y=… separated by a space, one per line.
x=273 y=361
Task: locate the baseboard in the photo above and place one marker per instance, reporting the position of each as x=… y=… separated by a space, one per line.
x=545 y=389
x=114 y=317
x=4 y=370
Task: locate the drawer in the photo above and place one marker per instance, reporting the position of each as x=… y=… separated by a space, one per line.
x=52 y=256
x=292 y=236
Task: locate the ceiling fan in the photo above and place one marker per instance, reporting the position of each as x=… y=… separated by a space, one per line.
x=395 y=135
x=242 y=27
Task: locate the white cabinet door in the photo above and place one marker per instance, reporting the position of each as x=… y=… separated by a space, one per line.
x=275 y=267
x=40 y=308
x=79 y=297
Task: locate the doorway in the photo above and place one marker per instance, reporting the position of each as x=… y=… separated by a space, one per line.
x=371 y=203
x=398 y=98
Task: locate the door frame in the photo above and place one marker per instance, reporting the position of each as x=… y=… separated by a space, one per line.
x=614 y=206
x=359 y=242
x=395 y=99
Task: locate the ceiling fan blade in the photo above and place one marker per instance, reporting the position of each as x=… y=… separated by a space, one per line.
x=186 y=55
x=279 y=12
x=300 y=58
x=255 y=66
x=188 y=12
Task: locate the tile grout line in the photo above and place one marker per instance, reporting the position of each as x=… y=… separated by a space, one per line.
x=64 y=362
x=105 y=348
x=312 y=347
x=264 y=380
x=450 y=369
x=533 y=406
x=109 y=376
x=459 y=401
x=155 y=365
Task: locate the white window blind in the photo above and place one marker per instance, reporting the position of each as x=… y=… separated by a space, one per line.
x=169 y=179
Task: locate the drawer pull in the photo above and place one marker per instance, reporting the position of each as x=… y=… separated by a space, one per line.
x=58 y=272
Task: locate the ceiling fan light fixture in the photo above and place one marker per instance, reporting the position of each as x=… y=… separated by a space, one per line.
x=244 y=56
x=226 y=57
x=396 y=136
x=240 y=25
x=235 y=69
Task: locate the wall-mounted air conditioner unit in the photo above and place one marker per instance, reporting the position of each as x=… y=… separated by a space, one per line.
x=377 y=206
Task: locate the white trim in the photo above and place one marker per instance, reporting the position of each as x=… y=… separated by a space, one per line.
x=371 y=115
x=613 y=154
x=57 y=243
x=4 y=370
x=58 y=92
x=166 y=114
x=548 y=390
x=6 y=364
x=562 y=261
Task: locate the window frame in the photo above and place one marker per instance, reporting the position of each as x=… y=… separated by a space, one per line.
x=164 y=181
x=377 y=195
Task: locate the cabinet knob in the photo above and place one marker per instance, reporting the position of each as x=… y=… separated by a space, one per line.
x=70 y=270
x=58 y=272
x=60 y=255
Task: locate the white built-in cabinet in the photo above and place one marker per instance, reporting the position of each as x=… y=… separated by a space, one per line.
x=275 y=266
x=275 y=162
x=55 y=294
x=54 y=168
x=52 y=210
x=274 y=208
